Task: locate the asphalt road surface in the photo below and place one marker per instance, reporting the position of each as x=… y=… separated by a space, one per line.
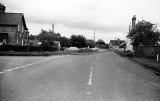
x=97 y=77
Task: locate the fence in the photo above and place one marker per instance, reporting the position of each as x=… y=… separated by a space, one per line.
x=13 y=48
x=148 y=51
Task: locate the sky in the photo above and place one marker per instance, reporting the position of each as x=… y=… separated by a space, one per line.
x=109 y=18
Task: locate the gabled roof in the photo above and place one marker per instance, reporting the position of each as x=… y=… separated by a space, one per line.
x=116 y=43
x=12 y=19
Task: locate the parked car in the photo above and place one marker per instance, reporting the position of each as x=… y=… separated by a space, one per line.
x=73 y=49
x=93 y=49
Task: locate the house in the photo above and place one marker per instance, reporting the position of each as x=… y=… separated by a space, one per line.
x=129 y=46
x=114 y=44
x=57 y=44
x=34 y=42
x=13 y=29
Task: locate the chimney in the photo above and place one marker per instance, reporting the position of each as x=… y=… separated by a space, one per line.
x=134 y=22
x=118 y=41
x=2 y=8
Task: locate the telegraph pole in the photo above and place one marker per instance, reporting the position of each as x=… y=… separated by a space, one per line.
x=94 y=35
x=53 y=28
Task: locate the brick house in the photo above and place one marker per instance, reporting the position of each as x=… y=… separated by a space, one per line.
x=13 y=29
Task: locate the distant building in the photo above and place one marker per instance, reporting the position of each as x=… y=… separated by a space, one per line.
x=57 y=44
x=34 y=42
x=13 y=29
x=129 y=46
x=115 y=44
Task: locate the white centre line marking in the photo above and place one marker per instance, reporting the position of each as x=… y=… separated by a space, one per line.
x=90 y=77
x=92 y=68
x=88 y=93
x=9 y=70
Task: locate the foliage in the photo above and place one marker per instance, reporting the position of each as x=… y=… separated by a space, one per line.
x=64 y=42
x=78 y=41
x=90 y=43
x=45 y=44
x=145 y=33
x=49 y=36
x=107 y=46
x=100 y=42
x=32 y=37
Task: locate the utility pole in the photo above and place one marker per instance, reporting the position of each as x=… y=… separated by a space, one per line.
x=94 y=35
x=53 y=28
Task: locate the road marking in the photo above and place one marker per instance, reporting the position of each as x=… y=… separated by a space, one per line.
x=92 y=68
x=97 y=57
x=90 y=77
x=88 y=93
x=9 y=70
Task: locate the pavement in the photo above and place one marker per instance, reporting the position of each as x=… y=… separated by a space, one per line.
x=103 y=76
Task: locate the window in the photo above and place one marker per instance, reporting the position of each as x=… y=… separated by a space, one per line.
x=22 y=42
x=20 y=34
x=18 y=28
x=22 y=29
x=17 y=41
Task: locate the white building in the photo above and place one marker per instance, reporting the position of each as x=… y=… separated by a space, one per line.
x=129 y=46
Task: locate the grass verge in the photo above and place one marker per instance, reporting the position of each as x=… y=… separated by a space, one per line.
x=150 y=64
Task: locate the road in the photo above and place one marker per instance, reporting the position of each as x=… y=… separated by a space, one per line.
x=97 y=77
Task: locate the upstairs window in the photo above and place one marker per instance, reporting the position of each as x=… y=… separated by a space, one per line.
x=22 y=29
x=20 y=34
x=18 y=28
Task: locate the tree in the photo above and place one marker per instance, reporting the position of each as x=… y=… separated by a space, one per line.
x=45 y=44
x=32 y=37
x=49 y=36
x=145 y=33
x=100 y=42
x=90 y=43
x=64 y=42
x=78 y=41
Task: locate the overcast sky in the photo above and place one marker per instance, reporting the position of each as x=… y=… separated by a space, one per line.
x=110 y=18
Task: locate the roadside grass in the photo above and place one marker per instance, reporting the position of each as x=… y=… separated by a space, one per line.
x=148 y=63
x=151 y=64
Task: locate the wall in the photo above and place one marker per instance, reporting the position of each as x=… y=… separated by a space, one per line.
x=129 y=46
x=11 y=30
x=148 y=51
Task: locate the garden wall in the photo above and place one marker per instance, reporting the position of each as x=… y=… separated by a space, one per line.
x=13 y=48
x=148 y=51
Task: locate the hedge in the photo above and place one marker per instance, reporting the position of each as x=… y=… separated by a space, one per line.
x=26 y=48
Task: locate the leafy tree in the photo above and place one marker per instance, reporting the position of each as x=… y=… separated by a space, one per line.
x=100 y=42
x=90 y=43
x=32 y=37
x=107 y=45
x=45 y=44
x=49 y=36
x=145 y=33
x=64 y=42
x=78 y=41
